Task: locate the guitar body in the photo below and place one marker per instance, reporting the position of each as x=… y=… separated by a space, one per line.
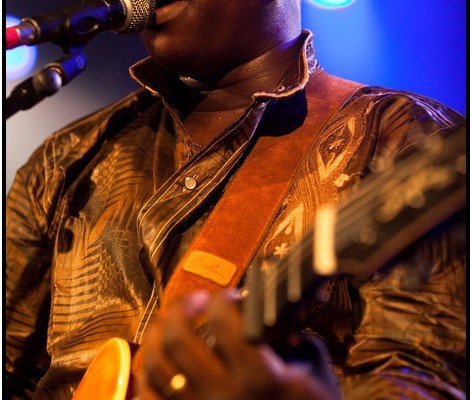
x=108 y=374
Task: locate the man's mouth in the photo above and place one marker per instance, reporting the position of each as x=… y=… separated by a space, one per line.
x=168 y=11
x=161 y=3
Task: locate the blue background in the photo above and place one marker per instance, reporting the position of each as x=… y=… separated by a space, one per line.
x=417 y=45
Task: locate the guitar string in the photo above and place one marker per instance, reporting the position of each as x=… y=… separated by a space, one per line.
x=404 y=169
x=353 y=211
x=346 y=213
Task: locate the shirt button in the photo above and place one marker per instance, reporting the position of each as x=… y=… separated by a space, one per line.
x=190 y=183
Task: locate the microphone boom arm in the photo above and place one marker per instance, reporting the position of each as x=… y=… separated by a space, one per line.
x=45 y=82
x=75 y=25
x=70 y=28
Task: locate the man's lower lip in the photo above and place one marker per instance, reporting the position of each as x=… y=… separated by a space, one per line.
x=167 y=10
x=161 y=3
x=165 y=3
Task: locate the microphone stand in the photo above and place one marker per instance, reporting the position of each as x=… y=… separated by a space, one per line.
x=46 y=82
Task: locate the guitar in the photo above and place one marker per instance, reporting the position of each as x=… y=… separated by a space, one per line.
x=393 y=208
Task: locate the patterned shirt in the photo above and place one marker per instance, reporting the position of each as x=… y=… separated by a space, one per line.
x=100 y=215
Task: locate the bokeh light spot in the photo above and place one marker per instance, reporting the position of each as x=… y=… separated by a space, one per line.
x=20 y=61
x=331 y=4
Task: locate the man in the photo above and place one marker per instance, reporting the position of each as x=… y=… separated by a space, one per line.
x=103 y=212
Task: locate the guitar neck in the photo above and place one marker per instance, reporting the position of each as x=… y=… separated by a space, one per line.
x=392 y=209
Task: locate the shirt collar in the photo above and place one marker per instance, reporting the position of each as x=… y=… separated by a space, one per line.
x=161 y=83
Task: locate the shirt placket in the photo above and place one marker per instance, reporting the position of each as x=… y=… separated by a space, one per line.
x=186 y=190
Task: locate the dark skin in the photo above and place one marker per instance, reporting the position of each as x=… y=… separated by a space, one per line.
x=218 y=44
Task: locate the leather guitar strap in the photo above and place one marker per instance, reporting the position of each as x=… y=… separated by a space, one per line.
x=223 y=249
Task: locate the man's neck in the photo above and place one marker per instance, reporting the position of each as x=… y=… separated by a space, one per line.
x=235 y=88
x=223 y=100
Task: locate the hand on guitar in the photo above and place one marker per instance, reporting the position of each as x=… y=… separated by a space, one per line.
x=178 y=363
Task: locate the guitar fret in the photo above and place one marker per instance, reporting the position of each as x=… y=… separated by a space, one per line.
x=294 y=277
x=270 y=293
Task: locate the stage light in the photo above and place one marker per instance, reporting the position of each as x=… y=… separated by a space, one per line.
x=331 y=4
x=19 y=61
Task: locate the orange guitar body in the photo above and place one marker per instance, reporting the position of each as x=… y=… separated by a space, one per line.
x=108 y=375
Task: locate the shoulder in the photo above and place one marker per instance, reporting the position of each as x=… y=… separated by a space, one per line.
x=86 y=132
x=393 y=119
x=388 y=103
x=54 y=164
x=385 y=103
x=401 y=119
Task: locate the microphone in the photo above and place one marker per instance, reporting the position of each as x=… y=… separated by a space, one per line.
x=78 y=23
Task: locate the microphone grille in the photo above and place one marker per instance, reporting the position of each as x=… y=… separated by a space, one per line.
x=140 y=15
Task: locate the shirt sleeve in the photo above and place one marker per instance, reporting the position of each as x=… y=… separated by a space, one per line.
x=412 y=332
x=28 y=260
x=409 y=333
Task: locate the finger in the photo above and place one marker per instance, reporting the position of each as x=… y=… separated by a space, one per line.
x=225 y=323
x=153 y=368
x=184 y=348
x=176 y=389
x=142 y=389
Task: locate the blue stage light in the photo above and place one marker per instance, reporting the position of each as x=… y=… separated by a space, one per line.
x=331 y=4
x=19 y=61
